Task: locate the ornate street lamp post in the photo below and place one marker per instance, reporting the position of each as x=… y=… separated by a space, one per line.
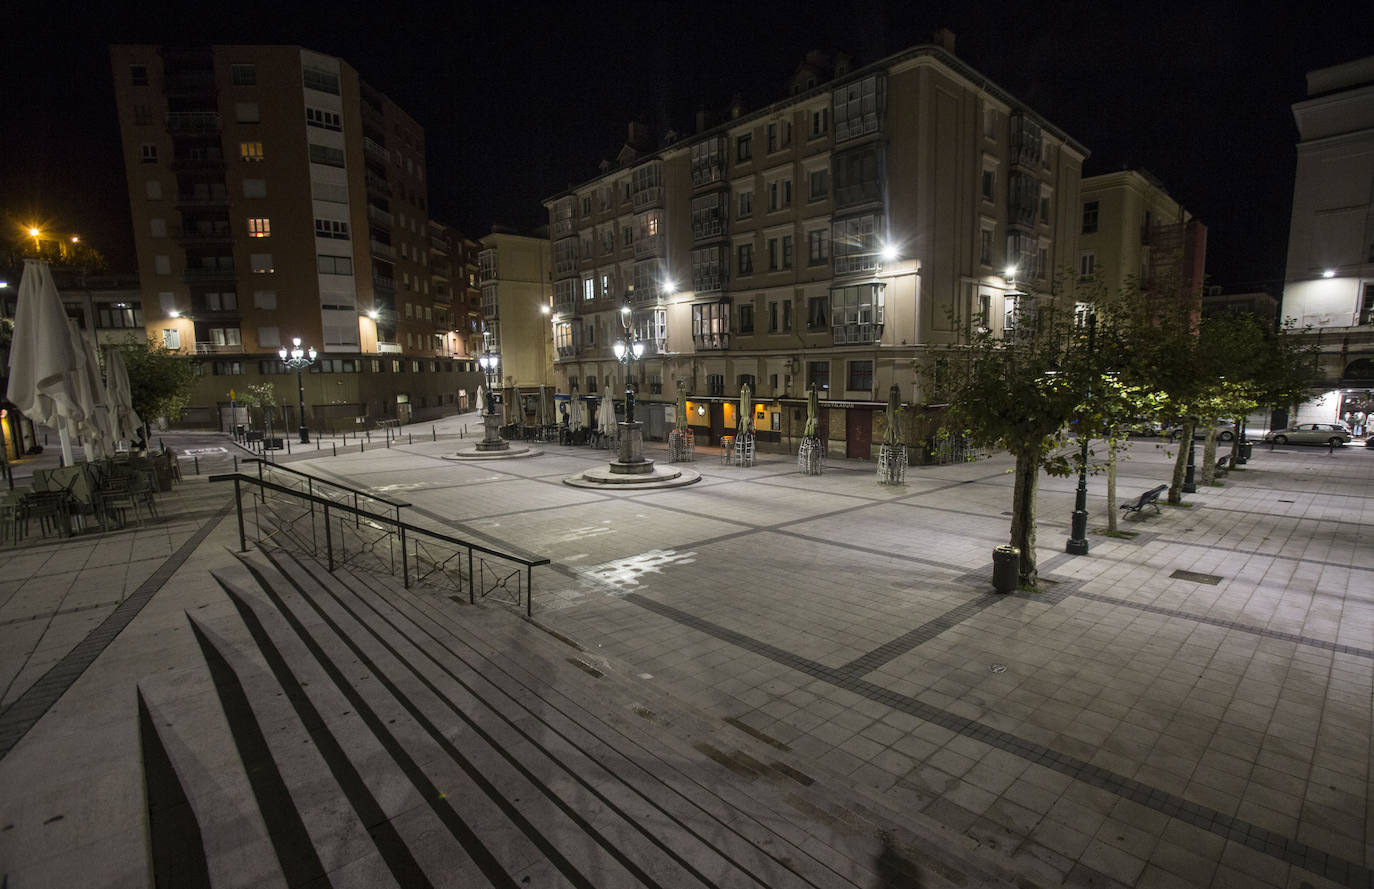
x=490 y=362
x=1078 y=541
x=628 y=351
x=299 y=359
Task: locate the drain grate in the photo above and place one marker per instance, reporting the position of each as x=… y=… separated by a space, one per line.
x=1196 y=577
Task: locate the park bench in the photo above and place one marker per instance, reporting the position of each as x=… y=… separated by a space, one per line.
x=1148 y=498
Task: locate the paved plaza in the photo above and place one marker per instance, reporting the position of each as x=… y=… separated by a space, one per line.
x=761 y=679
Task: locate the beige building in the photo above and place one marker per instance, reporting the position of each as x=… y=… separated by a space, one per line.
x=276 y=195
x=513 y=275
x=1132 y=232
x=842 y=236
x=1329 y=282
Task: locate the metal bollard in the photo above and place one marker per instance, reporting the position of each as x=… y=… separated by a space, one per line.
x=368 y=433
x=236 y=463
x=195 y=461
x=335 y=448
x=411 y=438
x=362 y=447
x=434 y=435
x=288 y=447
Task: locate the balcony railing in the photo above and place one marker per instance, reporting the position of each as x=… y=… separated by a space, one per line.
x=380 y=249
x=382 y=282
x=218 y=349
x=848 y=334
x=374 y=150
x=562 y=228
x=569 y=351
x=713 y=227
x=202 y=200
x=648 y=246
x=389 y=347
x=193 y=275
x=193 y=122
x=379 y=217
x=196 y=236
x=711 y=341
x=647 y=198
x=376 y=183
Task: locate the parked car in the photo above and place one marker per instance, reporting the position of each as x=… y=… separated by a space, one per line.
x=1310 y=433
x=1146 y=428
x=1225 y=431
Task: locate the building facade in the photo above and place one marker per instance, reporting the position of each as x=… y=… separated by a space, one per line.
x=1132 y=232
x=1329 y=280
x=275 y=195
x=843 y=236
x=516 y=296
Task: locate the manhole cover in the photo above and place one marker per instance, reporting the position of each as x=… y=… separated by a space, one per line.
x=1194 y=576
x=998 y=668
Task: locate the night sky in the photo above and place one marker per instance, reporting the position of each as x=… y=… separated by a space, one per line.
x=518 y=101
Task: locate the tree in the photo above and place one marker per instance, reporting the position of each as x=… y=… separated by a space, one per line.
x=160 y=380
x=1019 y=392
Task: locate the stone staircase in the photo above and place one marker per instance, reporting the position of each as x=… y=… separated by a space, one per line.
x=363 y=734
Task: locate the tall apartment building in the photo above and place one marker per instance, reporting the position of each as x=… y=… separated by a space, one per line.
x=513 y=275
x=842 y=236
x=276 y=195
x=1133 y=231
x=1329 y=282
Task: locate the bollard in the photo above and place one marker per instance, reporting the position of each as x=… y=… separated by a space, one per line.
x=236 y=463
x=335 y=448
x=317 y=442
x=362 y=447
x=288 y=447
x=433 y=433
x=388 y=442
x=195 y=461
x=411 y=438
x=1331 y=446
x=368 y=433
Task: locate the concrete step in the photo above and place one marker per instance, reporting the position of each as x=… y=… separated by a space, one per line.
x=855 y=834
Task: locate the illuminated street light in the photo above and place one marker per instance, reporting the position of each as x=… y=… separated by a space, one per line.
x=889 y=252
x=299 y=359
x=628 y=351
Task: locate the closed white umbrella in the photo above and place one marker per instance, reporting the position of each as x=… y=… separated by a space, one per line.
x=574 y=409
x=745 y=424
x=607 y=418
x=43 y=362
x=124 y=420
x=97 y=436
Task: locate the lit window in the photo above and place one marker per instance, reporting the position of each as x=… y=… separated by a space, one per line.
x=259 y=227
x=250 y=151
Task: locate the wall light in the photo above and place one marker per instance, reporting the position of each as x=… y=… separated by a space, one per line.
x=1329 y=273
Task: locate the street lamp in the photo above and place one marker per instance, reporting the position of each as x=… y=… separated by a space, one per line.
x=628 y=351
x=1078 y=543
x=490 y=362
x=299 y=359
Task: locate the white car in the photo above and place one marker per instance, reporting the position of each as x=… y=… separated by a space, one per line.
x=1310 y=433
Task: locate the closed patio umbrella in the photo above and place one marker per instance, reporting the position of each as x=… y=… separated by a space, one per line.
x=813 y=412
x=607 y=416
x=893 y=435
x=516 y=412
x=43 y=361
x=124 y=420
x=745 y=425
x=97 y=436
x=574 y=409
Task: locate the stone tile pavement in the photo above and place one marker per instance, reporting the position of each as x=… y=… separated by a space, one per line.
x=1126 y=725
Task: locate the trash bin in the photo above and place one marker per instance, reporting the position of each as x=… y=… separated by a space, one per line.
x=1006 y=568
x=1246 y=449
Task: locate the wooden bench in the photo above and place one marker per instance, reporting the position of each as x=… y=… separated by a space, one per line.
x=1148 y=498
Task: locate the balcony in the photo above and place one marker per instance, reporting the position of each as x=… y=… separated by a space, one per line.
x=394 y=348
x=713 y=227
x=563 y=228
x=855 y=334
x=380 y=249
x=376 y=151
x=202 y=200
x=194 y=82
x=209 y=160
x=569 y=351
x=379 y=217
x=193 y=122
x=376 y=184
x=192 y=276
x=439 y=245
x=217 y=349
x=383 y=283
x=650 y=245
x=711 y=342
x=201 y=237
x=647 y=198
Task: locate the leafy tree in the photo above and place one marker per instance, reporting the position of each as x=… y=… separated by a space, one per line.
x=160 y=380
x=1020 y=392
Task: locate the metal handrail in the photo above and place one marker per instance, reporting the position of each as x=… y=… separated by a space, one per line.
x=314 y=478
x=400 y=528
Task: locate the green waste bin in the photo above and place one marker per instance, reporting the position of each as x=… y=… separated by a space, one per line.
x=1247 y=448
x=1006 y=568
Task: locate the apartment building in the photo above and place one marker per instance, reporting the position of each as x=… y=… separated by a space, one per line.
x=516 y=295
x=842 y=236
x=1133 y=232
x=276 y=195
x=1329 y=281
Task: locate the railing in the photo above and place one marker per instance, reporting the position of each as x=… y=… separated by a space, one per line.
x=378 y=216
x=193 y=122
x=333 y=523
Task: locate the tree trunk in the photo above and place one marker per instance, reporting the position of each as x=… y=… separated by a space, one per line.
x=1111 y=484
x=1209 y=456
x=1185 y=441
x=1023 y=513
x=1235 y=440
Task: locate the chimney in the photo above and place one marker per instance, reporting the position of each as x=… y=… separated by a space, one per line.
x=639 y=136
x=944 y=38
x=703 y=119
